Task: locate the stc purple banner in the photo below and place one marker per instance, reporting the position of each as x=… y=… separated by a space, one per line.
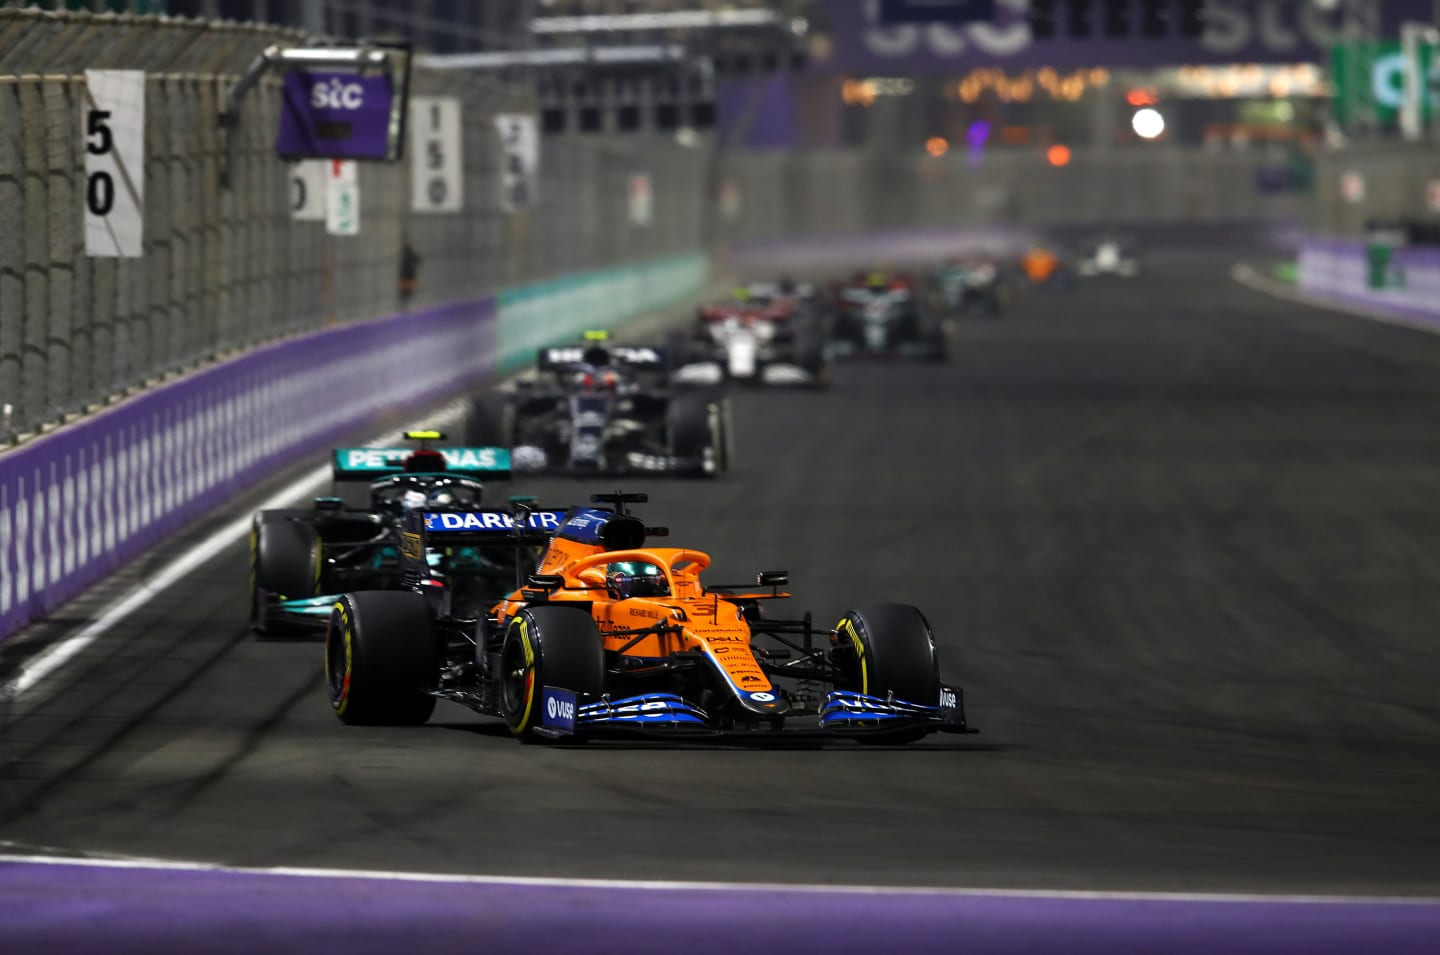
x=326 y=115
x=1236 y=31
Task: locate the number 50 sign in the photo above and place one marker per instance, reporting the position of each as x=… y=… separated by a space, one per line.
x=113 y=131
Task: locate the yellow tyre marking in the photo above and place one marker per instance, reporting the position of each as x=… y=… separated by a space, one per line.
x=524 y=724
x=343 y=703
x=848 y=627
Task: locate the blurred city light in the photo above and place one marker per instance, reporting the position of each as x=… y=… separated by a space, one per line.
x=1058 y=155
x=1147 y=123
x=937 y=146
x=1142 y=97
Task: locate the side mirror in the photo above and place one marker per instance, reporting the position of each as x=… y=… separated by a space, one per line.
x=329 y=503
x=657 y=532
x=773 y=578
x=546 y=582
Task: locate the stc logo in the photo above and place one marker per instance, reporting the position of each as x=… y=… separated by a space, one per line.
x=337 y=94
x=1278 y=26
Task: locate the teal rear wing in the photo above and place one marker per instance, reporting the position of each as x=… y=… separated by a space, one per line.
x=365 y=464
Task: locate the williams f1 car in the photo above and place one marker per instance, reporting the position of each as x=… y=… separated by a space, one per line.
x=599 y=408
x=882 y=315
x=1107 y=256
x=297 y=556
x=615 y=635
x=765 y=334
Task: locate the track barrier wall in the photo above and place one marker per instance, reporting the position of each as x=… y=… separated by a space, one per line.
x=1342 y=271
x=551 y=312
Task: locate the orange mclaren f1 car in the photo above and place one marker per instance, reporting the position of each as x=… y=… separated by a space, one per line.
x=613 y=635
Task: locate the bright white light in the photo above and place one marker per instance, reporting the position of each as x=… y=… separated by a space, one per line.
x=1147 y=123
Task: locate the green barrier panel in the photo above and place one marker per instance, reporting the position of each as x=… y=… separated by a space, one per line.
x=556 y=311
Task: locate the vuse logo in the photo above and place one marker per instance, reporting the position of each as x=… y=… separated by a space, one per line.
x=560 y=709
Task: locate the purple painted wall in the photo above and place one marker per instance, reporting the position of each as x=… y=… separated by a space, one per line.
x=1338 y=270
x=77 y=504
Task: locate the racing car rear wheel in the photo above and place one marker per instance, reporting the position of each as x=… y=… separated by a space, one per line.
x=547 y=646
x=810 y=355
x=697 y=425
x=382 y=658
x=488 y=422
x=884 y=649
x=286 y=560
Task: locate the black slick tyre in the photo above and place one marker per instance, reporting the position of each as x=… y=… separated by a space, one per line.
x=810 y=355
x=889 y=648
x=547 y=646
x=382 y=658
x=487 y=422
x=286 y=561
x=696 y=424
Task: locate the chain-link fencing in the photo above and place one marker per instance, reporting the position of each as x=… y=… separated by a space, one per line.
x=227 y=269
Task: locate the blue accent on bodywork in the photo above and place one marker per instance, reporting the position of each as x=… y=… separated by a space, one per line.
x=846 y=707
x=583 y=525
x=649 y=709
x=557 y=709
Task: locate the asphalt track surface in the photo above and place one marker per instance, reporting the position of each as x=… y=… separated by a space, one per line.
x=1177 y=541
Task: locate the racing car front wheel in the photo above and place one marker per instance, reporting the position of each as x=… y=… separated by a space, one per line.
x=285 y=562
x=884 y=649
x=547 y=646
x=382 y=658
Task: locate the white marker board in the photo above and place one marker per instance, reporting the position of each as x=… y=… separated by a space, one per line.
x=342 y=197
x=307 y=189
x=112 y=129
x=519 y=160
x=436 y=161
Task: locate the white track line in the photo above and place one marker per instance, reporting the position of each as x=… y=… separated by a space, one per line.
x=163 y=865
x=1257 y=281
x=46 y=662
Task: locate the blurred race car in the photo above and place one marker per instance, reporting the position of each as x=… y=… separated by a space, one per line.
x=613 y=635
x=298 y=555
x=1107 y=256
x=766 y=333
x=880 y=314
x=969 y=284
x=600 y=408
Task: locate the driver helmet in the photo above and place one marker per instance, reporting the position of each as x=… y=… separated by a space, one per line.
x=441 y=497
x=634 y=578
x=877 y=281
x=413 y=499
x=424 y=460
